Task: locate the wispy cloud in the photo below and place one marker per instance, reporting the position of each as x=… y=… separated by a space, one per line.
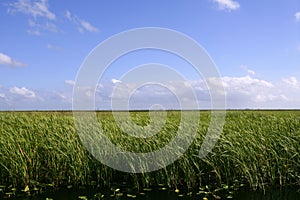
x=33 y=8
x=34 y=32
x=40 y=17
x=68 y=15
x=36 y=28
x=82 y=25
x=249 y=71
x=53 y=47
x=297 y=16
x=70 y=82
x=8 y=61
x=227 y=4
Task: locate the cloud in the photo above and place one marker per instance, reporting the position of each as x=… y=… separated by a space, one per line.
x=8 y=61
x=245 y=82
x=53 y=47
x=241 y=92
x=249 y=71
x=33 y=8
x=34 y=32
x=115 y=81
x=36 y=28
x=68 y=15
x=22 y=92
x=70 y=82
x=87 y=26
x=297 y=16
x=227 y=4
x=291 y=82
x=82 y=25
x=40 y=17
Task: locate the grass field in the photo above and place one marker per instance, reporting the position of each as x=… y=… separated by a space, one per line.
x=257 y=148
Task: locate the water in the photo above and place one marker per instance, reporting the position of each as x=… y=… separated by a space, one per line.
x=156 y=194
x=284 y=194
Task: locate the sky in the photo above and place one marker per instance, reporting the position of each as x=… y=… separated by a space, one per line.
x=255 y=46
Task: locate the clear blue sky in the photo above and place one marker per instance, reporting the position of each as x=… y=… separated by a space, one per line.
x=255 y=45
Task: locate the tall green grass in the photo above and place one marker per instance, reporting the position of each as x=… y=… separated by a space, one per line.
x=258 y=148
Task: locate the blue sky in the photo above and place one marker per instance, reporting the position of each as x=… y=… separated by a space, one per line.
x=255 y=45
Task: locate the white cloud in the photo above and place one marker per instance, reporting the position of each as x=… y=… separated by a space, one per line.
x=297 y=16
x=82 y=25
x=241 y=92
x=70 y=82
x=249 y=92
x=227 y=4
x=249 y=71
x=264 y=98
x=8 y=61
x=33 y=8
x=22 y=92
x=246 y=81
x=115 y=81
x=291 y=82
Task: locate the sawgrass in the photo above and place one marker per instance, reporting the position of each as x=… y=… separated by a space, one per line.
x=257 y=148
